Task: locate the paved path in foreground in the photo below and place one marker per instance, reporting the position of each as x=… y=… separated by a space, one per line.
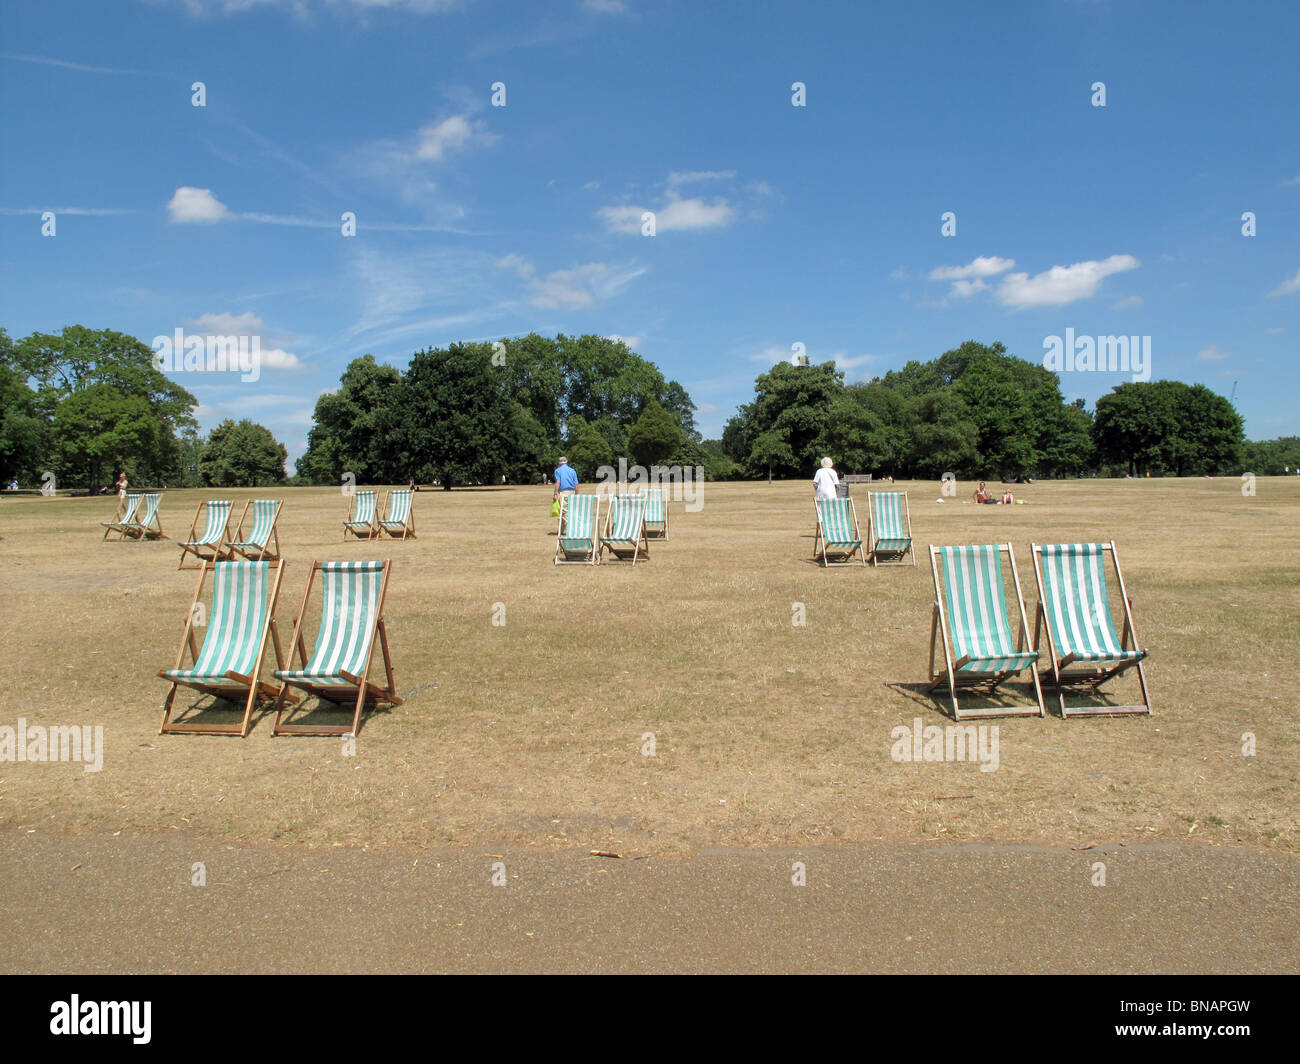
x=127 y=905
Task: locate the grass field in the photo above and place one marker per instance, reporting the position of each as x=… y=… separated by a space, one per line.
x=766 y=733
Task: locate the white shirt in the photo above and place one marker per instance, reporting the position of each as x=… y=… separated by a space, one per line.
x=826 y=479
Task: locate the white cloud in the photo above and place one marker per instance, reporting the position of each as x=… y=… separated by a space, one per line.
x=591 y=186
x=899 y=274
x=196 y=205
x=1291 y=181
x=984 y=266
x=278 y=358
x=1287 y=287
x=966 y=289
x=684 y=177
x=454 y=134
x=572 y=289
x=605 y=7
x=1061 y=284
x=1127 y=303
x=676 y=214
x=1276 y=331
x=1212 y=353
x=228 y=324
x=631 y=342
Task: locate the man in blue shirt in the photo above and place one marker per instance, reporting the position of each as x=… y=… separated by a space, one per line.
x=565 y=478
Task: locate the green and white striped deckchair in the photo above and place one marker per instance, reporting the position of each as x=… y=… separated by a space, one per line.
x=400 y=522
x=150 y=525
x=624 y=535
x=970 y=616
x=210 y=545
x=1074 y=608
x=656 y=513
x=257 y=544
x=124 y=519
x=361 y=516
x=229 y=665
x=837 y=532
x=889 y=529
x=575 y=538
x=352 y=614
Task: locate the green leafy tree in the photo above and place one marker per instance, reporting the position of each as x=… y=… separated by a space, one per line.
x=792 y=404
x=23 y=432
x=774 y=452
x=655 y=436
x=350 y=428
x=450 y=419
x=242 y=454
x=588 y=451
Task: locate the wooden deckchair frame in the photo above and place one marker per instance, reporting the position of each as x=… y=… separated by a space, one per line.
x=352 y=510
x=250 y=686
x=141 y=530
x=381 y=523
x=821 y=547
x=215 y=550
x=1094 y=674
x=235 y=544
x=622 y=553
x=952 y=679
x=874 y=539
x=364 y=689
x=125 y=509
x=592 y=556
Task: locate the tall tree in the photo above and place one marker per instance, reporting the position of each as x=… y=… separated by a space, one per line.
x=242 y=454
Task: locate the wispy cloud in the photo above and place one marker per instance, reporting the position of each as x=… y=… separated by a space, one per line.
x=69 y=65
x=67 y=210
x=571 y=289
x=676 y=214
x=1287 y=287
x=1212 y=353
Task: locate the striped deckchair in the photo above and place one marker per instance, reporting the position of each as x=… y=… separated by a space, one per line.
x=889 y=527
x=1074 y=608
x=210 y=545
x=837 y=532
x=400 y=522
x=229 y=665
x=624 y=536
x=361 y=516
x=575 y=538
x=656 y=514
x=150 y=525
x=256 y=545
x=352 y=614
x=970 y=615
x=123 y=519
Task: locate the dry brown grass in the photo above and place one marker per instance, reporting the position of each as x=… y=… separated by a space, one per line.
x=767 y=734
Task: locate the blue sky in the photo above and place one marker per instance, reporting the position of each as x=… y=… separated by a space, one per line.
x=774 y=224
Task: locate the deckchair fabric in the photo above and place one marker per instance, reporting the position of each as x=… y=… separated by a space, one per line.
x=1074 y=609
x=208 y=545
x=890 y=527
x=624 y=535
x=150 y=525
x=125 y=519
x=263 y=540
x=656 y=514
x=362 y=519
x=352 y=601
x=399 y=523
x=230 y=662
x=575 y=541
x=970 y=615
x=837 y=532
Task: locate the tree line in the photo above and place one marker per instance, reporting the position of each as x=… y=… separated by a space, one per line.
x=976 y=411
x=85 y=404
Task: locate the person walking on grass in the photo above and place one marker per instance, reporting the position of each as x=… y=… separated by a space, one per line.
x=825 y=481
x=566 y=483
